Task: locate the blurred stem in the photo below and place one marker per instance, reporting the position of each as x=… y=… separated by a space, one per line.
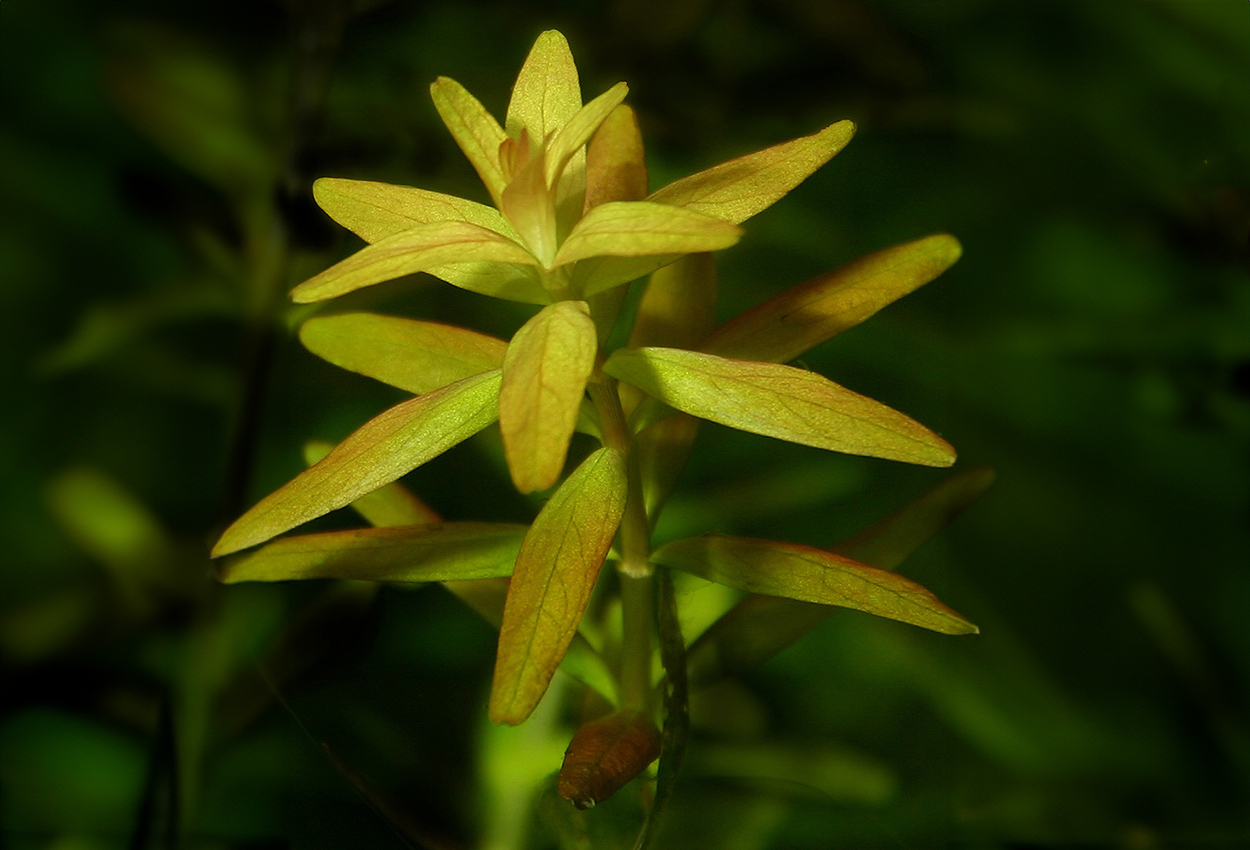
x=634 y=569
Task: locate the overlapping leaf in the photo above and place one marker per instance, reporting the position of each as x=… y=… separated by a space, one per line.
x=421 y=248
x=616 y=169
x=413 y=355
x=641 y=228
x=778 y=401
x=786 y=326
x=544 y=380
x=758 y=627
x=440 y=552
x=374 y=211
x=380 y=451
x=555 y=572
x=811 y=575
x=475 y=130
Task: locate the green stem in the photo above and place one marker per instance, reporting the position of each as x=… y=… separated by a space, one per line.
x=634 y=569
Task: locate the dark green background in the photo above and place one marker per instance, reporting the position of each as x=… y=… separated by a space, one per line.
x=1093 y=345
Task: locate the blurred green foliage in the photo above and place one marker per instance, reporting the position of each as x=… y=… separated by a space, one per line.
x=1093 y=345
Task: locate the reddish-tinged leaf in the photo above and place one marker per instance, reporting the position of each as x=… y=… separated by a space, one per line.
x=388 y=506
x=412 y=355
x=555 y=573
x=738 y=189
x=544 y=380
x=605 y=754
x=778 y=401
x=383 y=449
x=786 y=326
x=759 y=627
x=416 y=553
x=572 y=137
x=616 y=169
x=810 y=575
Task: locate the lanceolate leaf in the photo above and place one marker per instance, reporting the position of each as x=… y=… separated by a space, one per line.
x=412 y=355
x=738 y=189
x=547 y=93
x=383 y=449
x=811 y=575
x=641 y=228
x=778 y=401
x=416 y=553
x=801 y=318
x=374 y=211
x=476 y=132
x=418 y=249
x=616 y=169
x=555 y=572
x=544 y=379
x=605 y=754
x=386 y=507
x=759 y=627
x=572 y=136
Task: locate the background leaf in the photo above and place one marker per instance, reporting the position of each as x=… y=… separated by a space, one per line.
x=443 y=552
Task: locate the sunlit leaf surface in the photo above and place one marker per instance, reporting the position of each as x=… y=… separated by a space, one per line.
x=475 y=130
x=555 y=572
x=421 y=248
x=738 y=189
x=544 y=380
x=641 y=228
x=810 y=575
x=440 y=552
x=413 y=355
x=778 y=401
x=375 y=211
x=383 y=449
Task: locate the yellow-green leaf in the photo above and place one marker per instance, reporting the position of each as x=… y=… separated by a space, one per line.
x=509 y=281
x=380 y=451
x=738 y=189
x=454 y=551
x=418 y=249
x=388 y=506
x=778 y=401
x=786 y=326
x=571 y=137
x=547 y=93
x=599 y=274
x=555 y=573
x=374 y=211
x=811 y=575
x=544 y=379
x=641 y=228
x=413 y=355
x=616 y=168
x=475 y=130
x=759 y=627
x=678 y=307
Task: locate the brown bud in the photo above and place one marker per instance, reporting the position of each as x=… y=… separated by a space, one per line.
x=605 y=754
